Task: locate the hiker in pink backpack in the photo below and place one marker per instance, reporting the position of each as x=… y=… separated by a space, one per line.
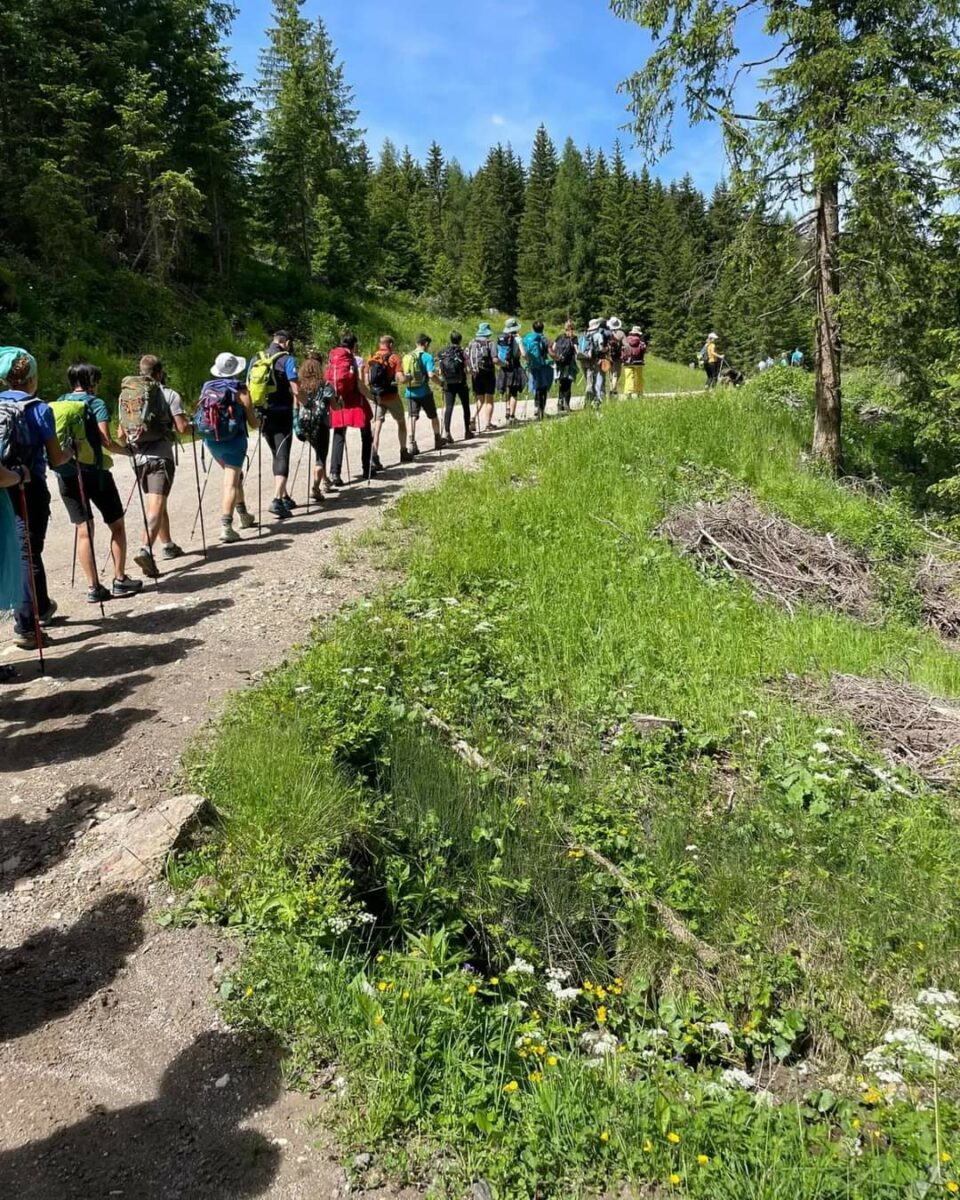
x=224 y=414
x=350 y=410
x=633 y=353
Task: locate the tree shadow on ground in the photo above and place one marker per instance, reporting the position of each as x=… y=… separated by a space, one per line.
x=55 y=970
x=185 y=1144
x=30 y=847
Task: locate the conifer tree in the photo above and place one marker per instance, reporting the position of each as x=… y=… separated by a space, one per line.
x=533 y=257
x=569 y=247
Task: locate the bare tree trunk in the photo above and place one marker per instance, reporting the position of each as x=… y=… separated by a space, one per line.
x=826 y=421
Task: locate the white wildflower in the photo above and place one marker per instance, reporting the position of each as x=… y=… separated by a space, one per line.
x=366 y=918
x=828 y=731
x=692 y=848
x=949 y=1018
x=558 y=973
x=748 y=714
x=915 y=1042
x=932 y=998
x=658 y=1032
x=712 y=1090
x=559 y=992
x=599 y=1044
x=821 y=748
x=907 y=1014
x=719 y=1027
x=367 y=988
x=766 y=1100
x=735 y=1077
x=339 y=924
x=520 y=966
x=822 y=777
x=888 y=1075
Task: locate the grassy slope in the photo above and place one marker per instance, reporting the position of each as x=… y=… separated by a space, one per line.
x=539 y=612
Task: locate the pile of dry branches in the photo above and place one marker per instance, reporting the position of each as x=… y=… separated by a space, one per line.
x=940 y=606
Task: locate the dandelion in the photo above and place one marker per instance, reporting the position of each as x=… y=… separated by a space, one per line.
x=552 y=1060
x=510 y=1088
x=494 y=980
x=946 y=1156
x=872 y=1096
x=605 y=1136
x=472 y=989
x=647 y=1146
x=855 y=1122
x=405 y=995
x=953 y=1187
x=536 y=1076
x=673 y=1138
x=382 y=986
x=379 y=958
x=601 y=1015
x=703 y=1159
x=248 y=992
x=674 y=1179
x=378 y=1019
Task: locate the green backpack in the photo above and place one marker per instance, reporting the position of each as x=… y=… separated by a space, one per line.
x=77 y=428
x=143 y=412
x=262 y=380
x=413 y=369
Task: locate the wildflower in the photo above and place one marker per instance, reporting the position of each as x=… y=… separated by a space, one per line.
x=405 y=995
x=855 y=1122
x=367 y=988
x=524 y=1053
x=448 y=999
x=379 y=958
x=647 y=1146
x=520 y=966
x=674 y=1179
x=821 y=748
x=601 y=1015
x=248 y=992
x=616 y=991
x=909 y=1039
x=933 y=998
x=559 y=992
x=382 y=986
x=534 y=1016
x=558 y=974
x=472 y=989
x=719 y=1027
x=587 y=985
x=921 y=945
x=541 y=1049
x=693 y=848
x=378 y=1019
x=946 y=1156
x=952 y=1186
x=536 y=1077
x=494 y=980
x=618 y=981
x=908 y=1014
x=673 y=1138
x=872 y=1096
x=605 y=1136
x=574 y=853
x=510 y=1088
x=737 y=1078
x=622 y=832
x=703 y=1159
x=552 y=1060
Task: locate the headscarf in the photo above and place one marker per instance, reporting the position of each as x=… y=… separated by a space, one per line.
x=8 y=356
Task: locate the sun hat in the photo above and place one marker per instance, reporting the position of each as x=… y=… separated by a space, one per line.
x=484 y=329
x=615 y=323
x=227 y=365
x=512 y=326
x=636 y=329
x=594 y=324
x=711 y=337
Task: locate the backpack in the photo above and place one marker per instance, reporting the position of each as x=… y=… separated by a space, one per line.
x=586 y=347
x=414 y=370
x=342 y=373
x=77 y=426
x=313 y=414
x=381 y=375
x=16 y=442
x=220 y=416
x=564 y=350
x=453 y=369
x=144 y=414
x=480 y=355
x=634 y=349
x=262 y=377
x=615 y=348
x=537 y=351
x=507 y=350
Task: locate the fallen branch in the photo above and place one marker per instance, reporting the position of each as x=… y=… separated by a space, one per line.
x=469 y=754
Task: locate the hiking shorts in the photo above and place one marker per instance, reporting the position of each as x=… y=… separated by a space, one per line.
x=101 y=492
x=156 y=476
x=511 y=381
x=485 y=382
x=391 y=404
x=423 y=404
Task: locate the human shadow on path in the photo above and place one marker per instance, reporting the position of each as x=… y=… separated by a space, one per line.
x=100 y=731
x=55 y=970
x=185 y=1144
x=102 y=661
x=29 y=847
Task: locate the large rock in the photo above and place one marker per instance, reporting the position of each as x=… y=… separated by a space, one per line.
x=137 y=843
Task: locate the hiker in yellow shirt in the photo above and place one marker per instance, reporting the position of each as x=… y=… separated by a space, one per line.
x=712 y=359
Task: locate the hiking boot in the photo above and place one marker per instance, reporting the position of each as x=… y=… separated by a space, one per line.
x=336 y=482
x=470 y=433
x=47 y=616
x=405 y=455
x=228 y=534
x=172 y=550
x=377 y=464
x=97 y=595
x=247 y=520
x=127 y=586
x=279 y=510
x=26 y=639
x=144 y=560
x=316 y=491
x=437 y=442
x=413 y=449
x=447 y=439
x=288 y=502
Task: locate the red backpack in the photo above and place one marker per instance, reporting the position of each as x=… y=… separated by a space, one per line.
x=634 y=348
x=342 y=373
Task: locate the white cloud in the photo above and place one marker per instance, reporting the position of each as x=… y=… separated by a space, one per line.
x=497 y=120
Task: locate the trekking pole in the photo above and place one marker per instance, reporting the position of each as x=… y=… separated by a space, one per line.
x=376 y=413
x=88 y=521
x=146 y=527
x=38 y=632
x=259 y=482
x=196 y=473
x=309 y=476
x=73 y=568
x=297 y=470
x=346 y=452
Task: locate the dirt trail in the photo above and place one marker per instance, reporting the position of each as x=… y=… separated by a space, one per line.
x=116 y=1075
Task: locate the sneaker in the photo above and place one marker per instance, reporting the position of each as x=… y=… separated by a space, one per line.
x=288 y=502
x=279 y=510
x=447 y=439
x=228 y=534
x=247 y=520
x=413 y=448
x=172 y=550
x=437 y=442
x=336 y=482
x=97 y=595
x=127 y=586
x=372 y=470
x=468 y=434
x=405 y=455
x=144 y=560
x=51 y=612
x=317 y=493
x=377 y=464
x=27 y=639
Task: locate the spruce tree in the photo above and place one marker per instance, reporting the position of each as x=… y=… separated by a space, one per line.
x=570 y=231
x=533 y=256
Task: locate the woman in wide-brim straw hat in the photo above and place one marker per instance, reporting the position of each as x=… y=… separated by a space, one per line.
x=224 y=416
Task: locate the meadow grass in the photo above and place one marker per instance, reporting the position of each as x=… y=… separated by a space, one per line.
x=404 y=909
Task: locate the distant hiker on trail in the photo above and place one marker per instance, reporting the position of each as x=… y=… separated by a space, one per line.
x=311 y=418
x=590 y=350
x=155 y=468
x=796 y=358
x=784 y=359
x=564 y=354
x=273 y=385
x=82 y=421
x=452 y=366
x=634 y=352
x=28 y=440
x=614 y=354
x=536 y=356
x=761 y=365
x=511 y=379
x=350 y=409
x=712 y=357
x=481 y=362
x=224 y=414
x=418 y=370
x=383 y=371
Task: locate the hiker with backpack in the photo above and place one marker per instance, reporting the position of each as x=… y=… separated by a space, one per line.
x=633 y=353
x=614 y=355
x=28 y=441
x=82 y=422
x=511 y=378
x=274 y=389
x=564 y=354
x=452 y=365
x=384 y=369
x=481 y=364
x=712 y=358
x=418 y=370
x=536 y=356
x=155 y=465
x=350 y=409
x=311 y=419
x=223 y=417
x=591 y=347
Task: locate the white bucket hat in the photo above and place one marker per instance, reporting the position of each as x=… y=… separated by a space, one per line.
x=636 y=329
x=711 y=337
x=594 y=324
x=615 y=323
x=227 y=365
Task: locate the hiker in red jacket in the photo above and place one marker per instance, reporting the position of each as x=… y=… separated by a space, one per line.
x=351 y=410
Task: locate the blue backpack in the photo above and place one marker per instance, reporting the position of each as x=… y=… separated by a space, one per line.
x=537 y=351
x=508 y=353
x=220 y=416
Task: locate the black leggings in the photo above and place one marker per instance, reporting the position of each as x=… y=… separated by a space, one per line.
x=566 y=387
x=339 y=445
x=320 y=443
x=540 y=400
x=456 y=391
x=278 y=432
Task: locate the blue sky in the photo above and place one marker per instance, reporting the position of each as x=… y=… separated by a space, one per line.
x=472 y=75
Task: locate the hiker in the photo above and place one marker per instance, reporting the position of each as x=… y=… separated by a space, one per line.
x=633 y=354
x=564 y=354
x=273 y=385
x=82 y=423
x=796 y=358
x=225 y=412
x=452 y=366
x=383 y=370
x=11 y=569
x=590 y=349
x=350 y=409
x=311 y=419
x=155 y=469
x=481 y=363
x=418 y=370
x=769 y=361
x=712 y=357
x=784 y=359
x=28 y=441
x=614 y=355
x=511 y=379
x=536 y=356
x=761 y=365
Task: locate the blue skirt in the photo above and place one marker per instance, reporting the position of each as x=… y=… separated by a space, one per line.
x=228 y=454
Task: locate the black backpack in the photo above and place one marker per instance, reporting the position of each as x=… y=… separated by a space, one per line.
x=564 y=350
x=314 y=413
x=381 y=375
x=453 y=369
x=16 y=443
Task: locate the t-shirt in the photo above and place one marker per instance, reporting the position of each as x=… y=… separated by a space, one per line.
x=713 y=352
x=163 y=448
x=285 y=369
x=394 y=362
x=418 y=393
x=41 y=424
x=100 y=412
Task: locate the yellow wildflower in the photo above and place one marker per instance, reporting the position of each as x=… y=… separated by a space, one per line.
x=953 y=1186
x=510 y=1088
x=617 y=991
x=405 y=996
x=534 y=1016
x=605 y=1136
x=921 y=945
x=648 y=1146
x=872 y=1096
x=528 y=1041
x=574 y=853
x=674 y=1179
x=600 y=992
x=946 y=1157
x=248 y=992
x=618 y=981
x=535 y=1077
x=703 y=1159
x=855 y=1122
x=587 y=985
x=378 y=1019
x=472 y=989
x=673 y=1138
x=552 y=1060
x=541 y=1049
x=381 y=986
x=601 y=1015
x=448 y=999
x=524 y=1054
x=494 y=981
x=379 y=958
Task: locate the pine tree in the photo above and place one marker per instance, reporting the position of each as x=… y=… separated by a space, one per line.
x=533 y=256
x=617 y=241
x=395 y=260
x=570 y=229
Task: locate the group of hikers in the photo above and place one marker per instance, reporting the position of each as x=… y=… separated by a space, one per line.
x=315 y=400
